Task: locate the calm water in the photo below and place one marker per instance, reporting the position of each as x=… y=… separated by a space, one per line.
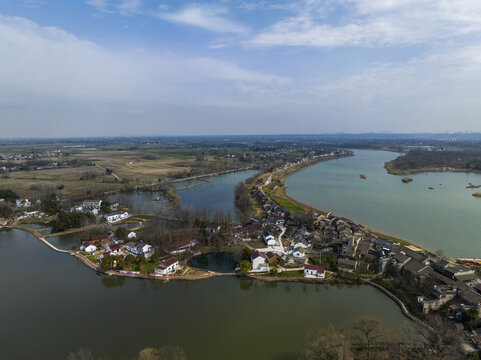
x=66 y=241
x=53 y=304
x=224 y=262
x=217 y=194
x=141 y=202
x=446 y=218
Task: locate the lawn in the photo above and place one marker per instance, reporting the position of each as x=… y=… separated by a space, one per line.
x=288 y=204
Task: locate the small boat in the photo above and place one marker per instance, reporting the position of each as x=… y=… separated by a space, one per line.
x=156 y=199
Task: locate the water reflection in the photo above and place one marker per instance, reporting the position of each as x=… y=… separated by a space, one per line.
x=112 y=281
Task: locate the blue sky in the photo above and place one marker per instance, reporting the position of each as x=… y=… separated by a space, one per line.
x=148 y=67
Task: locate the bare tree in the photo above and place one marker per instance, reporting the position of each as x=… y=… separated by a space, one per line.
x=329 y=344
x=164 y=353
x=367 y=333
x=81 y=354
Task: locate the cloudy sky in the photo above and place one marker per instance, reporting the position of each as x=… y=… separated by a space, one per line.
x=151 y=67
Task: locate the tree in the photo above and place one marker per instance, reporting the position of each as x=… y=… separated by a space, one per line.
x=81 y=354
x=68 y=220
x=8 y=195
x=108 y=262
x=164 y=353
x=5 y=210
x=242 y=202
x=328 y=344
x=50 y=207
x=105 y=207
x=440 y=341
x=245 y=267
x=469 y=317
x=367 y=332
x=121 y=233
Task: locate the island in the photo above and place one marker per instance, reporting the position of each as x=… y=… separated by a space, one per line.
x=435 y=158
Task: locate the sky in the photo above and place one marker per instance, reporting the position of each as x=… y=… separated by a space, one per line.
x=150 y=67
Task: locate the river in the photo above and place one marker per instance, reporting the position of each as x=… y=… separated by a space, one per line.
x=52 y=304
x=445 y=218
x=217 y=193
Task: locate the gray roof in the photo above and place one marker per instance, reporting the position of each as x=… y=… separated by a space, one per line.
x=401 y=258
x=466 y=277
x=413 y=266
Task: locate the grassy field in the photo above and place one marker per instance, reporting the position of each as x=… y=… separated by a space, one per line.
x=135 y=167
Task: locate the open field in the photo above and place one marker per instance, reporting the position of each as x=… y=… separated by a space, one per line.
x=131 y=167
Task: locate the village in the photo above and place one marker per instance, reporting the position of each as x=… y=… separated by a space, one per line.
x=279 y=244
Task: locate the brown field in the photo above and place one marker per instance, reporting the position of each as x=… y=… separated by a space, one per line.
x=130 y=166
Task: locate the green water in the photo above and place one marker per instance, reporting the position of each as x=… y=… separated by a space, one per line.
x=445 y=218
x=52 y=304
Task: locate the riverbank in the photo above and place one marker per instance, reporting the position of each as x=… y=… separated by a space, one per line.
x=393 y=171
x=331 y=279
x=278 y=177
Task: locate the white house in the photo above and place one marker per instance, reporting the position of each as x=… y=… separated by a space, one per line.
x=299 y=253
x=113 y=249
x=182 y=246
x=269 y=239
x=89 y=247
x=140 y=248
x=300 y=244
x=314 y=271
x=132 y=247
x=167 y=266
x=258 y=260
x=132 y=235
x=145 y=249
x=116 y=216
x=90 y=205
x=22 y=203
x=31 y=212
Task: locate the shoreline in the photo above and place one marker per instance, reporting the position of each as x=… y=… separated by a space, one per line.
x=284 y=174
x=331 y=280
x=390 y=170
x=306 y=207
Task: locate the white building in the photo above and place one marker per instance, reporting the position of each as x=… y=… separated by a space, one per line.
x=167 y=266
x=299 y=253
x=116 y=216
x=269 y=239
x=90 y=205
x=23 y=203
x=30 y=212
x=140 y=248
x=314 y=271
x=132 y=235
x=89 y=247
x=258 y=260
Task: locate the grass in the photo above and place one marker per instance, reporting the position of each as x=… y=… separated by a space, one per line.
x=148 y=267
x=143 y=217
x=288 y=204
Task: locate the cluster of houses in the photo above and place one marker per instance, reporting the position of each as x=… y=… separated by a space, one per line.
x=103 y=245
x=356 y=249
x=109 y=244
x=94 y=206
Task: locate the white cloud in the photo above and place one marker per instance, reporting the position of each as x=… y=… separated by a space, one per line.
x=206 y=17
x=34 y=3
x=123 y=7
x=48 y=62
x=369 y=23
x=435 y=92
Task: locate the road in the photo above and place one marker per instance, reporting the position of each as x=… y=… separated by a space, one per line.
x=104 y=169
